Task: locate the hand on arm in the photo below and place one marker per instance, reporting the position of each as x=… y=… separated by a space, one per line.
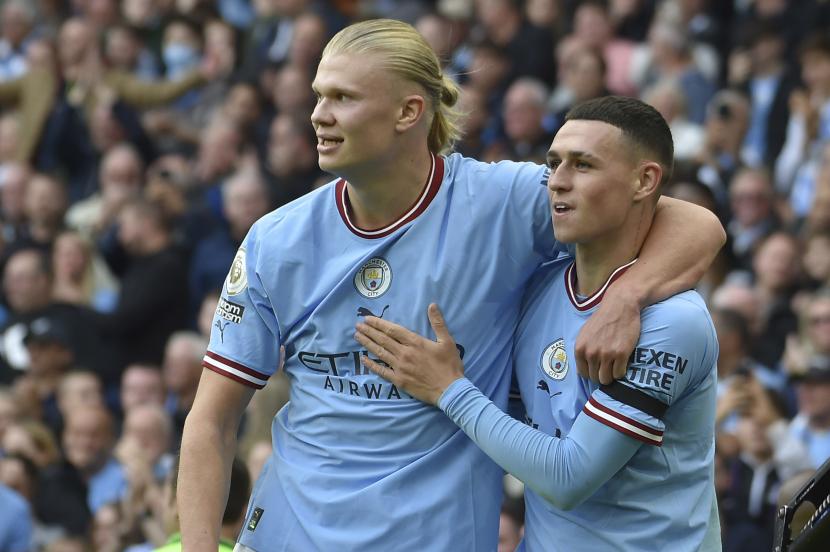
x=683 y=241
x=421 y=367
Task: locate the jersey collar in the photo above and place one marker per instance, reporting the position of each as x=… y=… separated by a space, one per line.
x=596 y=298
x=431 y=187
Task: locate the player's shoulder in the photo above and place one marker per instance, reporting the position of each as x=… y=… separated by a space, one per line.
x=687 y=308
x=497 y=174
x=683 y=320
x=295 y=216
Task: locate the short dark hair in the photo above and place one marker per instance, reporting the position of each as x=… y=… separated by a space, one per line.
x=638 y=121
x=818 y=43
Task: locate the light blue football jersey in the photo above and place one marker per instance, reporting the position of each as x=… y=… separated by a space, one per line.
x=357 y=464
x=663 y=497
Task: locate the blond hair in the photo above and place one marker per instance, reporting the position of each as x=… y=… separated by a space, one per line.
x=405 y=53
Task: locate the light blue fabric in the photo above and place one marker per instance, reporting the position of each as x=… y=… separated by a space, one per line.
x=15 y=522
x=358 y=464
x=592 y=483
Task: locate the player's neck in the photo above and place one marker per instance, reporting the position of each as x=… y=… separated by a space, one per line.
x=381 y=197
x=598 y=258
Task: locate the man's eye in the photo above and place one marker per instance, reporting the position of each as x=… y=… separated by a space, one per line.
x=553 y=165
x=582 y=165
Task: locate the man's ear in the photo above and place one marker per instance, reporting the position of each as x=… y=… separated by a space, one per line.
x=648 y=183
x=412 y=110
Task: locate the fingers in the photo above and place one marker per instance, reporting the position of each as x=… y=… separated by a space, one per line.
x=392 y=330
x=374 y=347
x=383 y=371
x=282 y=357
x=377 y=339
x=436 y=320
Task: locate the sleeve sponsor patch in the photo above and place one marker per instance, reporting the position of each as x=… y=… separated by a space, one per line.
x=232 y=312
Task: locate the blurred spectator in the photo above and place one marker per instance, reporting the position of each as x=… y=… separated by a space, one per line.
x=727 y=120
x=27 y=282
x=473 y=104
x=776 y=268
x=308 y=38
x=290 y=91
x=15 y=523
x=528 y=47
x=594 y=29
x=812 y=424
x=125 y=51
x=751 y=197
x=671 y=57
x=44 y=205
x=18 y=19
x=760 y=70
x=19 y=474
x=527 y=139
x=733 y=359
x=141 y=385
x=244 y=200
x=182 y=371
x=50 y=359
x=291 y=159
x=233 y=518
x=808 y=131
x=152 y=301
x=120 y=179
x=80 y=274
x=32 y=440
x=816 y=260
x=667 y=97
x=79 y=389
x=90 y=477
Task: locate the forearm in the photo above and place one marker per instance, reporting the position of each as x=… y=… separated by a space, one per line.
x=562 y=471
x=683 y=241
x=204 y=478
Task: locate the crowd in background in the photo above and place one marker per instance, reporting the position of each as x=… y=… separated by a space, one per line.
x=140 y=139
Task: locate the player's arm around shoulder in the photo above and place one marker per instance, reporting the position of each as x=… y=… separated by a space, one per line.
x=207 y=451
x=676 y=351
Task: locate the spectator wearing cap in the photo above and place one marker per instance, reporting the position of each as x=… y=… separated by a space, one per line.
x=812 y=424
x=15 y=522
x=50 y=359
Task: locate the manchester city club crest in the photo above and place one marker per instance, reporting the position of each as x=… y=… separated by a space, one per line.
x=555 y=360
x=238 y=276
x=374 y=278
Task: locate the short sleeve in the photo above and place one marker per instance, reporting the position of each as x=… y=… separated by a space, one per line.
x=676 y=351
x=244 y=339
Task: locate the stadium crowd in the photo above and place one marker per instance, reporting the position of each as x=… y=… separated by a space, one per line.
x=140 y=139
